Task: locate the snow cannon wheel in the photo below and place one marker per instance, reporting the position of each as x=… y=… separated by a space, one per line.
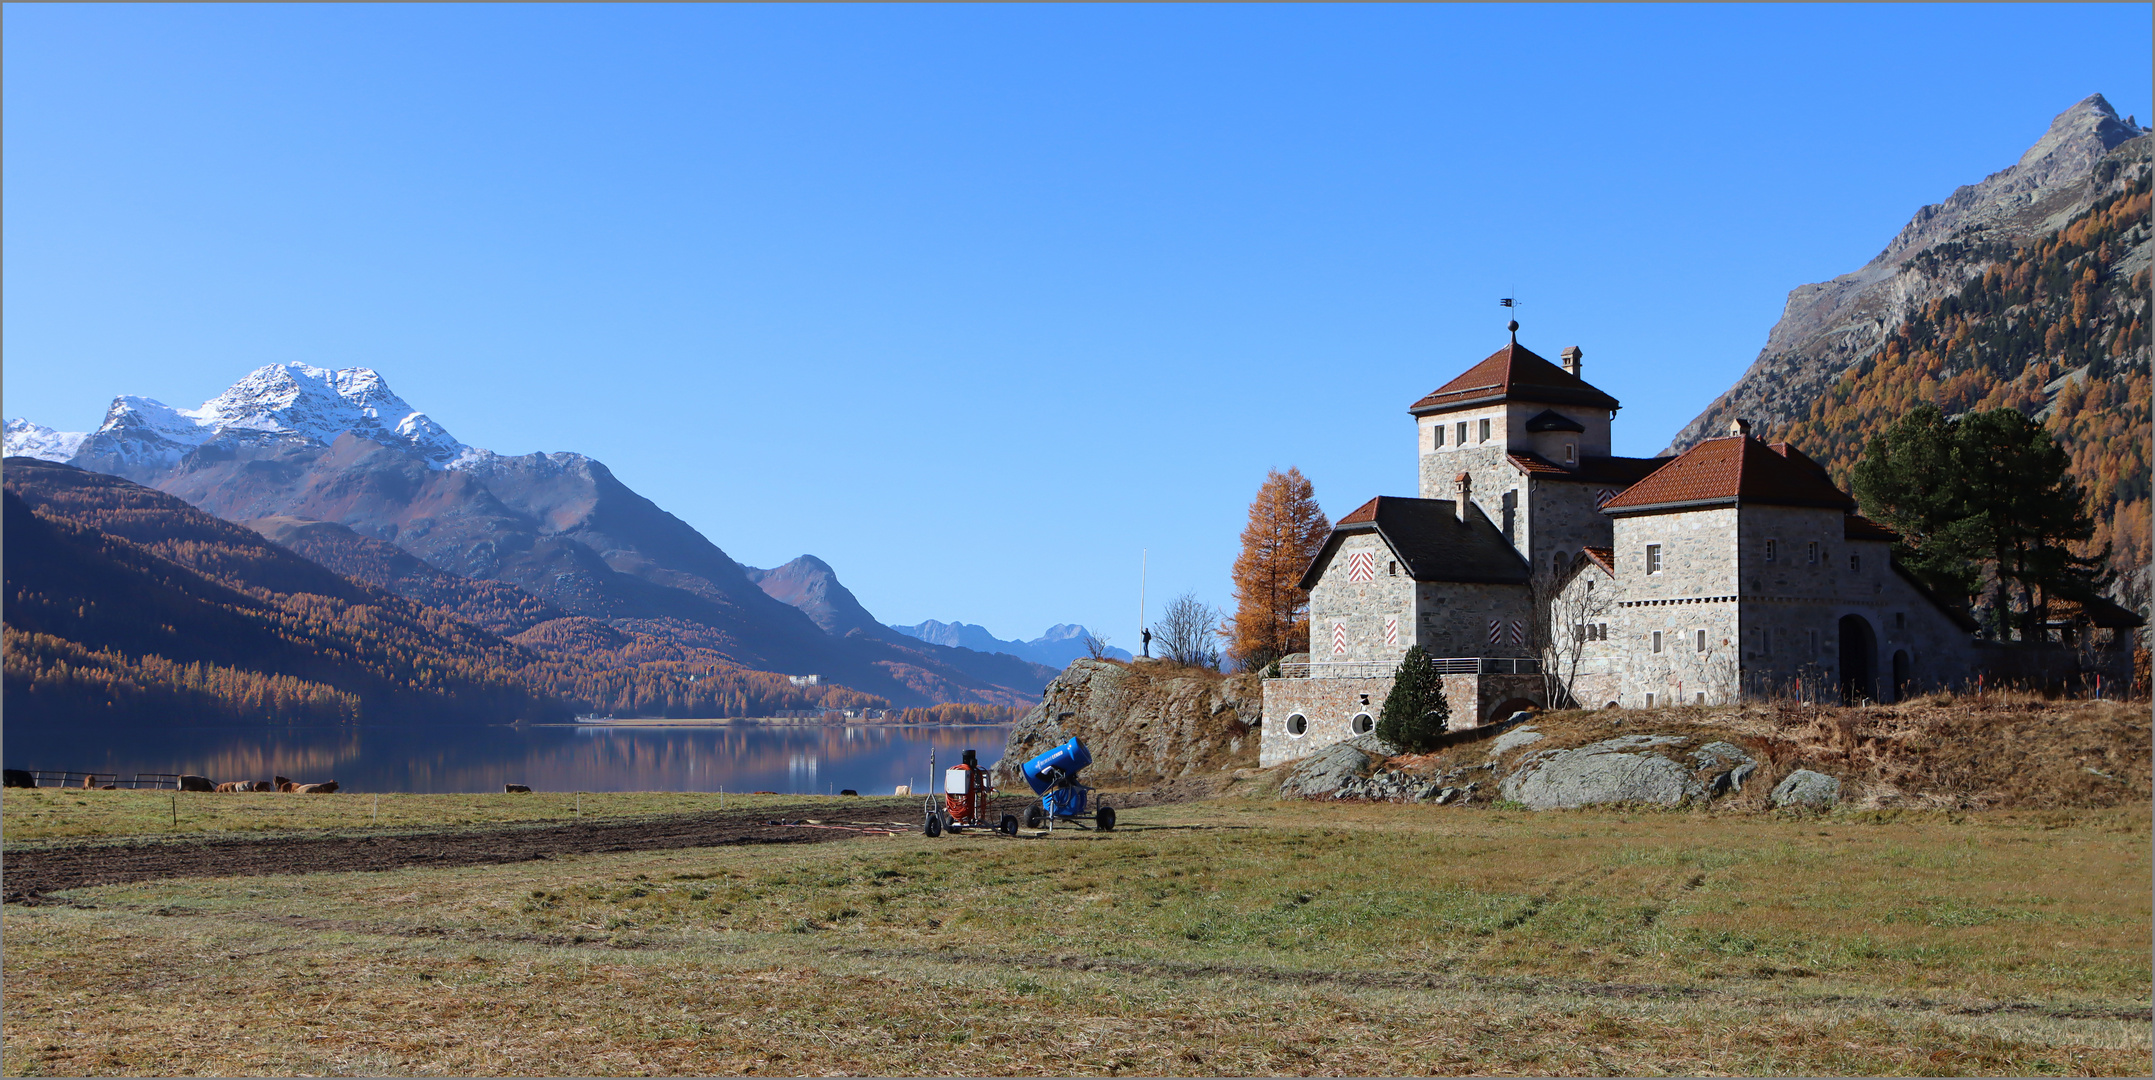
x=1009 y=825
x=1105 y=819
x=933 y=826
x=1035 y=817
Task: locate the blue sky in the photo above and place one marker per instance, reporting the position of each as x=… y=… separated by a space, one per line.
x=978 y=302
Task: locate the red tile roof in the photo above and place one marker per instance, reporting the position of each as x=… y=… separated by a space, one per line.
x=1366 y=512
x=1731 y=470
x=1603 y=557
x=1513 y=373
x=1612 y=471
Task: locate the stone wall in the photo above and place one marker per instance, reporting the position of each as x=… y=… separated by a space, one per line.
x=1452 y=618
x=1330 y=708
x=1363 y=608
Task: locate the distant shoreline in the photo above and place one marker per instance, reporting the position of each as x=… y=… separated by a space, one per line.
x=768 y=721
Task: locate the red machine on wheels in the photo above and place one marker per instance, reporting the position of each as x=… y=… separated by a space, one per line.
x=966 y=788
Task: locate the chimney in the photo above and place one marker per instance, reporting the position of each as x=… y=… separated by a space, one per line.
x=1466 y=490
x=1572 y=356
x=1740 y=426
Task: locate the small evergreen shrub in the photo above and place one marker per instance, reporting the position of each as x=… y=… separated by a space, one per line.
x=1415 y=712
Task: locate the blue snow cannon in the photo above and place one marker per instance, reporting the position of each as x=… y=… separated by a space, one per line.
x=1054 y=777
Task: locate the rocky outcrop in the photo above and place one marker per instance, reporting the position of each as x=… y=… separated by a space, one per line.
x=1829 y=326
x=1627 y=769
x=1142 y=721
x=1330 y=772
x=1804 y=788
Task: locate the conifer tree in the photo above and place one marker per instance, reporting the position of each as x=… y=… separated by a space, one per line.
x=1415 y=712
x=1285 y=531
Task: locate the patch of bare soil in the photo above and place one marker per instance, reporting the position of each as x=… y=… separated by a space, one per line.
x=31 y=873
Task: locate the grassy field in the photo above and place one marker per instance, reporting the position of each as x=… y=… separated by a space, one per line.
x=1234 y=936
x=36 y=815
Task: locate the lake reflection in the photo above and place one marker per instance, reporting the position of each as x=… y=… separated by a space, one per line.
x=793 y=759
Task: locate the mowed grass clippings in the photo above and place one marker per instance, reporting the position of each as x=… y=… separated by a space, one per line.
x=1227 y=937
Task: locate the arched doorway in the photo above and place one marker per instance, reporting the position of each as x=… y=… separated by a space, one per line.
x=1901 y=675
x=1504 y=711
x=1859 y=660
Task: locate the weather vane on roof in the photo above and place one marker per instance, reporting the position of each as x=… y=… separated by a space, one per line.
x=1513 y=325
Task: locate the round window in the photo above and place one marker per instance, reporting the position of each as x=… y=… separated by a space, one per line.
x=1362 y=724
x=1298 y=725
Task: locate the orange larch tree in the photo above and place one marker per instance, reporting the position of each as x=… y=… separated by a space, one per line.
x=1271 y=610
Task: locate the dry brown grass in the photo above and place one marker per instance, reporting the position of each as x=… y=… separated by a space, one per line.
x=1237 y=936
x=2000 y=751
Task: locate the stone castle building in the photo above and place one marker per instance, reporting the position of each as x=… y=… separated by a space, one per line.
x=1538 y=568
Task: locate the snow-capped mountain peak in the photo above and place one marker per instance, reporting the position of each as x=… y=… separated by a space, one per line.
x=275 y=404
x=26 y=439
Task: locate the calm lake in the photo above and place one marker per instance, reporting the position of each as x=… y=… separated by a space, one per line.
x=737 y=756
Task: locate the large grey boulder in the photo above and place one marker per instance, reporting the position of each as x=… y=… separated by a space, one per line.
x=1627 y=769
x=1323 y=774
x=1804 y=788
x=1513 y=740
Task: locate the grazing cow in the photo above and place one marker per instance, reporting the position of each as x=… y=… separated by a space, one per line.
x=315 y=789
x=903 y=789
x=516 y=789
x=89 y=783
x=19 y=778
x=282 y=783
x=196 y=783
x=236 y=785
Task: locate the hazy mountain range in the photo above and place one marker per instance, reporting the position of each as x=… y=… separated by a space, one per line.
x=1062 y=643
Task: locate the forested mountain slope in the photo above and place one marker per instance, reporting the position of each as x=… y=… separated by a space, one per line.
x=124 y=603
x=2029 y=290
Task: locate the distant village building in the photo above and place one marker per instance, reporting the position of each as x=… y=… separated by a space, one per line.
x=1538 y=568
x=805 y=680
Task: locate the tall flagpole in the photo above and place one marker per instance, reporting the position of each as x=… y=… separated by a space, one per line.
x=1143 y=555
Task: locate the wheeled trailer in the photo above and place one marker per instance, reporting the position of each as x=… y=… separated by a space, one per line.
x=1054 y=777
x=964 y=803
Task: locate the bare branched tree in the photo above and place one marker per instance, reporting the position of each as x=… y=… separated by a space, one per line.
x=1565 y=620
x=1095 y=645
x=1187 y=632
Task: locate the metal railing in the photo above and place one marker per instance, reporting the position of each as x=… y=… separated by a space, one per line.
x=71 y=778
x=1446 y=665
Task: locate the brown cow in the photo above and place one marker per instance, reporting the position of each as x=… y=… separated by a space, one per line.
x=316 y=789
x=236 y=785
x=282 y=783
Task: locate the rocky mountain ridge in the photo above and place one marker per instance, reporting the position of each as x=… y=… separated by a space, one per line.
x=1828 y=327
x=292 y=443
x=1061 y=644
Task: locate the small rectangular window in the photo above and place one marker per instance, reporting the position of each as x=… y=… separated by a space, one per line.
x=1462 y=440
x=1571 y=453
x=1769 y=551
x=1649 y=701
x=1485 y=431
x=1814 y=643
x=1900 y=620
x=1657 y=641
x=1653 y=558
x=1395 y=569
x=1702 y=699
x=1702 y=641
x=1604 y=634
x=1812 y=553
x=1855 y=562
x=1437 y=435
x=1765 y=642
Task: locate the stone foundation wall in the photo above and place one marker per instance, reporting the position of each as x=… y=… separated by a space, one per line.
x=1330 y=706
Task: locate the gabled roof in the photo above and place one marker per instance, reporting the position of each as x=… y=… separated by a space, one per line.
x=1727 y=471
x=1612 y=471
x=1430 y=540
x=1552 y=420
x=1513 y=373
